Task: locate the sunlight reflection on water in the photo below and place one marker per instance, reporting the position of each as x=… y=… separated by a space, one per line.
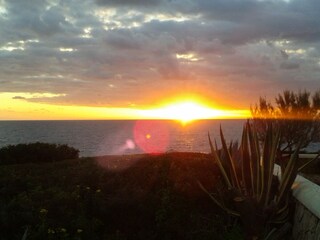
x=95 y=138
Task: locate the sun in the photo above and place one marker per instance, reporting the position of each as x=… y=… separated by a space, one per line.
x=184 y=111
x=187 y=111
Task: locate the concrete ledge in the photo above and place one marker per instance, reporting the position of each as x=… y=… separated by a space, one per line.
x=304 y=155
x=306 y=225
x=307 y=155
x=308 y=193
x=307 y=213
x=305 y=191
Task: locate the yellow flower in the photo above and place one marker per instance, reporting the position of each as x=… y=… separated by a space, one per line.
x=79 y=230
x=88 y=188
x=98 y=190
x=43 y=211
x=63 y=230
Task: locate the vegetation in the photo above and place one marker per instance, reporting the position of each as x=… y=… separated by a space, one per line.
x=152 y=197
x=148 y=197
x=297 y=115
x=36 y=153
x=252 y=191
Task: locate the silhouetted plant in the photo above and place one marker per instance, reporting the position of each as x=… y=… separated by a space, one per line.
x=297 y=115
x=36 y=153
x=252 y=191
x=80 y=199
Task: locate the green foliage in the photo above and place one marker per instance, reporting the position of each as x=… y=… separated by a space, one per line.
x=36 y=153
x=253 y=192
x=235 y=233
x=156 y=198
x=297 y=115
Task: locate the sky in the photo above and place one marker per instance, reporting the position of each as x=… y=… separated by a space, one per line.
x=92 y=58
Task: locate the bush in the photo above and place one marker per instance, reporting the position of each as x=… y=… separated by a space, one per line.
x=81 y=199
x=36 y=153
x=296 y=114
x=253 y=193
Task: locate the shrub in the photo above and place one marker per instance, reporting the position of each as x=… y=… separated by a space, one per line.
x=36 y=153
x=296 y=114
x=252 y=192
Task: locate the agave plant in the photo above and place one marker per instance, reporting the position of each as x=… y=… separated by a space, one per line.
x=254 y=192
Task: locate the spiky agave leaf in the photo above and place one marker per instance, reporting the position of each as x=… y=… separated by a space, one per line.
x=281 y=215
x=220 y=204
x=24 y=237
x=310 y=161
x=222 y=155
x=230 y=162
x=255 y=159
x=275 y=141
x=264 y=166
x=255 y=183
x=289 y=175
x=220 y=165
x=245 y=162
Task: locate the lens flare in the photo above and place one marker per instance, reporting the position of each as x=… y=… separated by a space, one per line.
x=151 y=136
x=130 y=144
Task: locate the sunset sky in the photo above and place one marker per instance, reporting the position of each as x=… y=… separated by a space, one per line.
x=101 y=59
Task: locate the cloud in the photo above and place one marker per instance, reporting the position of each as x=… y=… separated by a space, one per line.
x=284 y=54
x=119 y=53
x=18 y=97
x=129 y=2
x=289 y=65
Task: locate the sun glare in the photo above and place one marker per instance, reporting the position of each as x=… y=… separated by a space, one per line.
x=188 y=111
x=185 y=111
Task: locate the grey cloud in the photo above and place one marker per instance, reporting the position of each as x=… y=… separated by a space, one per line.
x=289 y=65
x=124 y=39
x=239 y=22
x=18 y=97
x=234 y=41
x=284 y=54
x=33 y=18
x=128 y=2
x=230 y=10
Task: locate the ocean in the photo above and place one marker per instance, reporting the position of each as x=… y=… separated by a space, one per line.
x=110 y=137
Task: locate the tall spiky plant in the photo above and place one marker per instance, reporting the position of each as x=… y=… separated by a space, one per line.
x=254 y=193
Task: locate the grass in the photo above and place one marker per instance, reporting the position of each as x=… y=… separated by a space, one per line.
x=113 y=197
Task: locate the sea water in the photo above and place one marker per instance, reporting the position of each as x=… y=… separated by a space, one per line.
x=96 y=138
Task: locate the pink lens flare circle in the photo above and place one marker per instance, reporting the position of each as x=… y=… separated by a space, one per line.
x=130 y=144
x=151 y=136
